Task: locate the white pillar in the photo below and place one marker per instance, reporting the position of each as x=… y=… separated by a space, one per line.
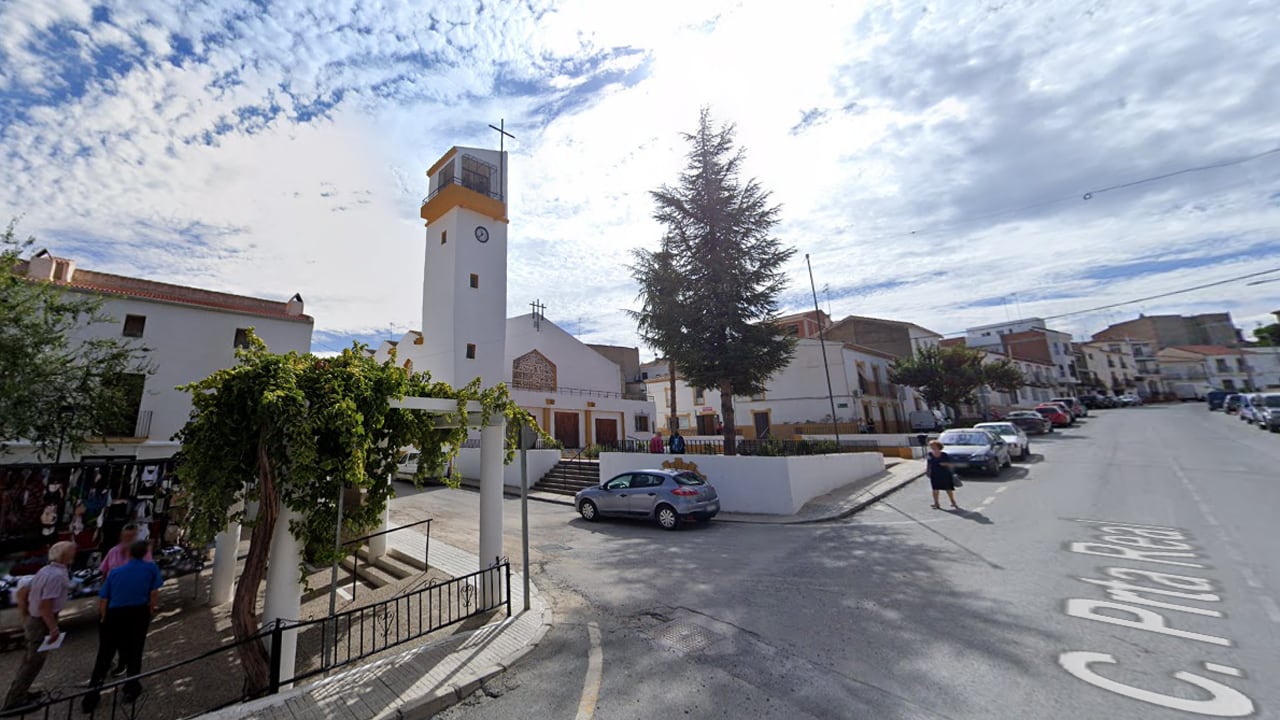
x=226 y=544
x=492 y=453
x=284 y=589
x=378 y=544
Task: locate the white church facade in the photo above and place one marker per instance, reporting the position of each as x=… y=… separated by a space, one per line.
x=574 y=393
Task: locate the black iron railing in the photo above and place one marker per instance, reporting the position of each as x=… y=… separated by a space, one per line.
x=356 y=634
x=187 y=688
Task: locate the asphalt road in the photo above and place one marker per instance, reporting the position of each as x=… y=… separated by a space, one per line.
x=908 y=612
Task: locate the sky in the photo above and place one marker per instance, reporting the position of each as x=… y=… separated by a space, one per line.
x=932 y=159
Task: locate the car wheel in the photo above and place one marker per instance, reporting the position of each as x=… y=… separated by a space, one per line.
x=1026 y=452
x=588 y=510
x=994 y=470
x=1008 y=461
x=667 y=517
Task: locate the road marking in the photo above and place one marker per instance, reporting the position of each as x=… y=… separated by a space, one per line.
x=591 y=686
x=1001 y=489
x=1269 y=604
x=1250 y=578
x=1224 y=669
x=987 y=501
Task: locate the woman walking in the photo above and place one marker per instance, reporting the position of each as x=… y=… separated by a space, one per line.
x=941 y=477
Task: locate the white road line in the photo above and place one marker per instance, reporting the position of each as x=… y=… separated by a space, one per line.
x=595 y=665
x=1269 y=604
x=988 y=500
x=1224 y=669
x=1001 y=489
x=1250 y=578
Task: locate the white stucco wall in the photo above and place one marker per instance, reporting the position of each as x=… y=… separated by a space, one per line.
x=539 y=461
x=187 y=343
x=763 y=485
x=577 y=366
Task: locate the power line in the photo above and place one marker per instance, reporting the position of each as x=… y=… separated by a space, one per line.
x=1088 y=195
x=1166 y=294
x=1171 y=293
x=1212 y=166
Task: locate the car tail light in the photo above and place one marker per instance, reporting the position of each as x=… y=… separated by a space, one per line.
x=684 y=492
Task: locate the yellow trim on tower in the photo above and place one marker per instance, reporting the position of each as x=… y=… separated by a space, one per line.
x=455 y=195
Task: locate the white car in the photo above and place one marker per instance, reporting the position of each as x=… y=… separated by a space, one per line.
x=1014 y=436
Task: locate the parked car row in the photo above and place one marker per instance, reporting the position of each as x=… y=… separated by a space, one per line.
x=1262 y=410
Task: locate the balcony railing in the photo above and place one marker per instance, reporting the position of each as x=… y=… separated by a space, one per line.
x=877 y=389
x=475 y=175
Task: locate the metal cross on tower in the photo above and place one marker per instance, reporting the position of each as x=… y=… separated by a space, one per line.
x=502 y=154
x=538 y=307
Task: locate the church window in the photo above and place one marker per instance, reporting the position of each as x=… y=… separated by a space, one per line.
x=242 y=338
x=444 y=236
x=471 y=351
x=475 y=280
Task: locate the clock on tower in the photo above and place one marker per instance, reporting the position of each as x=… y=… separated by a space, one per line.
x=464 y=290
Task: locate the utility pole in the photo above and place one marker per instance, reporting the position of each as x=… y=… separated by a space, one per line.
x=817 y=316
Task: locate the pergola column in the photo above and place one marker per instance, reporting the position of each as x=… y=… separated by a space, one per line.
x=492 y=453
x=225 y=547
x=284 y=588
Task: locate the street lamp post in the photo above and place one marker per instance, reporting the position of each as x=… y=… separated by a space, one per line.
x=64 y=414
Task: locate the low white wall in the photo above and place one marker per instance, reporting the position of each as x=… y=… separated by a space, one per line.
x=765 y=485
x=539 y=461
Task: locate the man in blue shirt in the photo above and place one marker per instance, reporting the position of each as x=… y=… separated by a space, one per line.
x=125 y=604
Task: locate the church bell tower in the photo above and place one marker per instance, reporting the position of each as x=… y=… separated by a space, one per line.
x=464 y=292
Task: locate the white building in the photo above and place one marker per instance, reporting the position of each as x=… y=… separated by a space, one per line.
x=1107 y=370
x=1205 y=368
x=1030 y=339
x=797 y=397
x=1264 y=362
x=190 y=332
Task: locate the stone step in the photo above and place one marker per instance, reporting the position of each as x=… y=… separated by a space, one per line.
x=369 y=574
x=391 y=566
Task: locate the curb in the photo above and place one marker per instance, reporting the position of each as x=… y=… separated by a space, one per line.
x=861 y=501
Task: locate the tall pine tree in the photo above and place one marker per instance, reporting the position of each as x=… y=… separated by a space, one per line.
x=662 y=295
x=729 y=266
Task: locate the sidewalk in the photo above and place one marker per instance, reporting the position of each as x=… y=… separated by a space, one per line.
x=839 y=503
x=420 y=682
x=842 y=502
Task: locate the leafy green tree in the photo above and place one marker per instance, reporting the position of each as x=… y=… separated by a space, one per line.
x=59 y=381
x=729 y=266
x=291 y=432
x=663 y=296
x=950 y=376
x=1268 y=335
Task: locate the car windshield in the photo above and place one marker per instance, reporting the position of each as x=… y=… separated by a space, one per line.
x=1003 y=428
x=1273 y=401
x=688 y=478
x=965 y=438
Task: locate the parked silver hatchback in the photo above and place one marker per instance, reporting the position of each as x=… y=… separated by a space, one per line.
x=667 y=496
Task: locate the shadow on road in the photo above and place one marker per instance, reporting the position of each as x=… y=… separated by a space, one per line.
x=973 y=515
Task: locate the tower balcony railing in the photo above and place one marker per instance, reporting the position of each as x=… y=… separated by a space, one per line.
x=476 y=175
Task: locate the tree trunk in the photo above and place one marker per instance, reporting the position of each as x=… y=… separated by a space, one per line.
x=254 y=656
x=726 y=411
x=673 y=421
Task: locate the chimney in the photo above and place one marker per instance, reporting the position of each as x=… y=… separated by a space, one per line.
x=41 y=266
x=294 y=306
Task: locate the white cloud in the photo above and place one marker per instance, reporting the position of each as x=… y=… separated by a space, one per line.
x=271 y=153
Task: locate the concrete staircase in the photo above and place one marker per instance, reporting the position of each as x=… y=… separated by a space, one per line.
x=570 y=476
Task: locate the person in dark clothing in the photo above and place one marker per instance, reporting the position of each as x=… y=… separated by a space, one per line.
x=677 y=442
x=941 y=476
x=125 y=604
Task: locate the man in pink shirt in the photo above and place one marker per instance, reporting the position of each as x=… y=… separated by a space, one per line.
x=116 y=557
x=45 y=596
x=119 y=555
